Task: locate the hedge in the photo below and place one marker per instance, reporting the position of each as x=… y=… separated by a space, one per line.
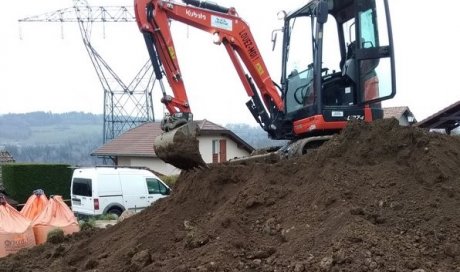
x=20 y=180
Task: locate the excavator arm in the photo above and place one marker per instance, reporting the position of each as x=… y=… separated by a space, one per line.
x=228 y=29
x=178 y=144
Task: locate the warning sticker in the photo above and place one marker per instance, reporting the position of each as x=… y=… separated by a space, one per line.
x=221 y=23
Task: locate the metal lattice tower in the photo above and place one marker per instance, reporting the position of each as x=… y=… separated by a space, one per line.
x=125 y=105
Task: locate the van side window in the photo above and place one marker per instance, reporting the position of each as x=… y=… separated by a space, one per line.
x=153 y=186
x=156 y=187
x=82 y=187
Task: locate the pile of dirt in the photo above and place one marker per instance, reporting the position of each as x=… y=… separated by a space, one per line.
x=378 y=197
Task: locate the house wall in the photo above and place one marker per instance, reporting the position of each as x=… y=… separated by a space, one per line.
x=153 y=163
x=205 y=147
x=232 y=148
x=403 y=121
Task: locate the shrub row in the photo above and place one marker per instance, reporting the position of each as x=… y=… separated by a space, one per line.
x=20 y=180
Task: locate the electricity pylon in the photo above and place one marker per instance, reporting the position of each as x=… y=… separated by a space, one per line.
x=125 y=105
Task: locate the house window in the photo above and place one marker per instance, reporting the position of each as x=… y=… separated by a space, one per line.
x=215 y=151
x=219 y=150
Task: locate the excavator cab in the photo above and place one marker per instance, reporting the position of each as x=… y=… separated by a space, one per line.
x=337 y=65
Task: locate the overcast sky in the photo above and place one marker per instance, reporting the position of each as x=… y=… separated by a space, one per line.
x=43 y=72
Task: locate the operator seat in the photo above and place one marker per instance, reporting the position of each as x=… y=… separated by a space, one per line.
x=339 y=87
x=368 y=75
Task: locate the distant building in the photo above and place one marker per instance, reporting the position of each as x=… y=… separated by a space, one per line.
x=402 y=114
x=135 y=147
x=447 y=119
x=5 y=157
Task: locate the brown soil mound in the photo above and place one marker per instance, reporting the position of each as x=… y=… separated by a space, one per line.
x=378 y=197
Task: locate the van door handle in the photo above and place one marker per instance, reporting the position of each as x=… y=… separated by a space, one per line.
x=150 y=196
x=142 y=197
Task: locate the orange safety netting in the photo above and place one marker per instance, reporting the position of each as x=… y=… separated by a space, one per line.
x=15 y=230
x=34 y=205
x=55 y=215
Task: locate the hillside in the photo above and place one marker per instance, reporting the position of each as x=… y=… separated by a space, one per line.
x=46 y=128
x=47 y=137
x=51 y=138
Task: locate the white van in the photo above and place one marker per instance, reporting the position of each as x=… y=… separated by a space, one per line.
x=101 y=190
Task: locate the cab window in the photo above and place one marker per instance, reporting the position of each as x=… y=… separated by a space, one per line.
x=367 y=29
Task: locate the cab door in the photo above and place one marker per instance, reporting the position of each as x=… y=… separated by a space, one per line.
x=374 y=51
x=82 y=195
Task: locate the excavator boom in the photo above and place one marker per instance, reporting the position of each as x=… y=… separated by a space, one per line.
x=178 y=144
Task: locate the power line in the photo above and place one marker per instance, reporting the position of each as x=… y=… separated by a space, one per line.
x=125 y=105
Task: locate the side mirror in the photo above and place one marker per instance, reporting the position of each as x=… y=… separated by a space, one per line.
x=281 y=15
x=168 y=191
x=322 y=11
x=274 y=35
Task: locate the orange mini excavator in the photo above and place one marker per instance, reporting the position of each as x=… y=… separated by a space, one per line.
x=337 y=65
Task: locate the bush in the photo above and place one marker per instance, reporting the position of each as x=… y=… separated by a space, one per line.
x=88 y=224
x=20 y=180
x=55 y=236
x=170 y=180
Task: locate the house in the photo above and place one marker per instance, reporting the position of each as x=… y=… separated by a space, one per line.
x=402 y=114
x=447 y=119
x=5 y=157
x=135 y=147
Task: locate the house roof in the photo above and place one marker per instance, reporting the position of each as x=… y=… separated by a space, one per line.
x=210 y=128
x=396 y=112
x=447 y=118
x=139 y=141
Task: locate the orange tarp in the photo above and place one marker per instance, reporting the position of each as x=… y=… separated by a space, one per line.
x=55 y=215
x=34 y=205
x=15 y=230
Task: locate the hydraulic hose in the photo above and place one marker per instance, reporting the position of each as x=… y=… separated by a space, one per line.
x=206 y=5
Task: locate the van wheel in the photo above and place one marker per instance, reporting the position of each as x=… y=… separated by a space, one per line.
x=116 y=211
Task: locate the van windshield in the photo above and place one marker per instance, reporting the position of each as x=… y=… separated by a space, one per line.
x=82 y=187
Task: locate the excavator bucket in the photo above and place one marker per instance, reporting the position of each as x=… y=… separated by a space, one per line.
x=180 y=147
